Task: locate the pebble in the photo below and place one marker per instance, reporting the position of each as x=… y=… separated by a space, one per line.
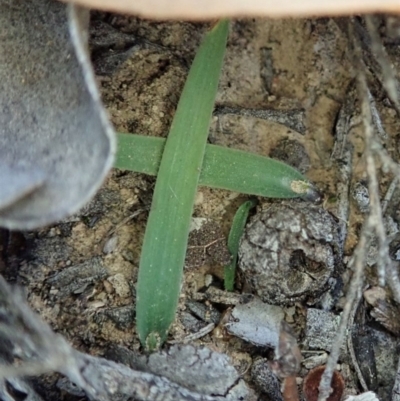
x=120 y=284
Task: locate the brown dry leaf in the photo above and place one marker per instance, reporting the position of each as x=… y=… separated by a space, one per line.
x=207 y=9
x=384 y=311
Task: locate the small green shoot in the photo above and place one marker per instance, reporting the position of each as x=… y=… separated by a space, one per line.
x=167 y=230
x=236 y=232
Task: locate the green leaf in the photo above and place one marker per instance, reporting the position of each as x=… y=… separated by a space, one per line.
x=167 y=230
x=236 y=232
x=224 y=168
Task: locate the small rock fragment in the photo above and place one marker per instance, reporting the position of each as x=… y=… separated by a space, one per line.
x=256 y=322
x=206 y=313
x=72 y=279
x=66 y=385
x=265 y=379
x=315 y=360
x=110 y=245
x=123 y=316
x=360 y=194
x=197 y=223
x=386 y=358
x=215 y=295
x=321 y=329
x=241 y=391
x=368 y=396
x=289 y=314
x=190 y=322
x=120 y=285
x=364 y=353
x=384 y=311
x=198 y=369
x=375 y=294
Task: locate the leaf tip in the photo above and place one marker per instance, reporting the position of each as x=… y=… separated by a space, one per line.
x=307 y=191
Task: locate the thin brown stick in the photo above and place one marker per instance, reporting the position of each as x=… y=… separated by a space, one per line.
x=374 y=220
x=290 y=391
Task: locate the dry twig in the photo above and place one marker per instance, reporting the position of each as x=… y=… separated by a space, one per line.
x=351 y=296
x=41 y=350
x=374 y=221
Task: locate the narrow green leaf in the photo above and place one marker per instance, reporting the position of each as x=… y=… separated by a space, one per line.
x=236 y=232
x=224 y=168
x=167 y=230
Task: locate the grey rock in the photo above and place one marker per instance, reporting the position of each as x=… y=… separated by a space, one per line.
x=288 y=252
x=190 y=322
x=65 y=385
x=73 y=279
x=241 y=392
x=360 y=194
x=321 y=329
x=386 y=359
x=123 y=316
x=196 y=368
x=265 y=379
x=110 y=245
x=368 y=396
x=362 y=343
x=206 y=313
x=256 y=322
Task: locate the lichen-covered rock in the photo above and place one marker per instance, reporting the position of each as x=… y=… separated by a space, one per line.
x=288 y=252
x=360 y=194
